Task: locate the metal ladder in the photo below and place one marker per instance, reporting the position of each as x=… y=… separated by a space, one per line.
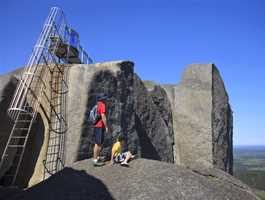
x=17 y=141
x=16 y=146
x=26 y=100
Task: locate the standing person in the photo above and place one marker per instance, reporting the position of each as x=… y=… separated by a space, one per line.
x=100 y=128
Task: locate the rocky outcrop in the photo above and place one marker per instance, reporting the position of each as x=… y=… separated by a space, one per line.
x=202 y=118
x=114 y=79
x=153 y=122
x=144 y=179
x=222 y=125
x=144 y=117
x=189 y=123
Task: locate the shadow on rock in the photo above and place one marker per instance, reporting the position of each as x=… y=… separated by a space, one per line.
x=67 y=184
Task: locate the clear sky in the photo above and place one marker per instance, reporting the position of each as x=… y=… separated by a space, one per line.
x=161 y=37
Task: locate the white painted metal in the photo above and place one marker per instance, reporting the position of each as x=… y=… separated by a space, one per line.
x=43 y=63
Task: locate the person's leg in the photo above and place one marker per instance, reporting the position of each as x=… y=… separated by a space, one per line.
x=128 y=156
x=96 y=150
x=98 y=144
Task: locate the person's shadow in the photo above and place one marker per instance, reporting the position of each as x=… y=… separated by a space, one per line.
x=68 y=184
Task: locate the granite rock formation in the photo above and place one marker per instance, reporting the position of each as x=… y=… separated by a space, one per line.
x=153 y=122
x=144 y=118
x=202 y=118
x=144 y=179
x=189 y=124
x=116 y=80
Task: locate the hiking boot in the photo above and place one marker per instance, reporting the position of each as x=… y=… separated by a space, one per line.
x=101 y=158
x=98 y=163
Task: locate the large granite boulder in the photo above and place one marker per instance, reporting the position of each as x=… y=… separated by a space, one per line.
x=153 y=122
x=202 y=118
x=189 y=123
x=145 y=118
x=144 y=179
x=85 y=82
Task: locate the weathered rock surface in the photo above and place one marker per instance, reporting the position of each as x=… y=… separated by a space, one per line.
x=144 y=117
x=153 y=122
x=202 y=118
x=222 y=125
x=189 y=123
x=114 y=79
x=144 y=179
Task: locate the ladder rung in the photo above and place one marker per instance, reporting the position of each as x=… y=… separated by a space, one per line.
x=18 y=137
x=21 y=128
x=16 y=146
x=18 y=121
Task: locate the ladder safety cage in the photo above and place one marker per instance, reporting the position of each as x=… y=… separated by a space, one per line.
x=44 y=76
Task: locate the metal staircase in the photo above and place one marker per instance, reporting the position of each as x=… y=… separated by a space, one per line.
x=57 y=45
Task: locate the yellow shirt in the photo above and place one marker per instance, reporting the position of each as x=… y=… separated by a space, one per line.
x=116 y=148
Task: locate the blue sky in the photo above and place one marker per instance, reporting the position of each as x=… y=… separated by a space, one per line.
x=161 y=37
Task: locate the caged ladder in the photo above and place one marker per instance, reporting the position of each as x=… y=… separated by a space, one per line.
x=58 y=44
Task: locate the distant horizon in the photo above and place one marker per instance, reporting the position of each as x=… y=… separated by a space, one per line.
x=248 y=146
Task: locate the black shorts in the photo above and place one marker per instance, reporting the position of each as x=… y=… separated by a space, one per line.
x=99 y=135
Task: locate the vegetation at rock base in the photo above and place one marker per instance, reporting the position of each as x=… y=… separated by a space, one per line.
x=260 y=194
x=249 y=167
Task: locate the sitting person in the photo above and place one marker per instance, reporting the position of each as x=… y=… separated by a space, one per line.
x=117 y=156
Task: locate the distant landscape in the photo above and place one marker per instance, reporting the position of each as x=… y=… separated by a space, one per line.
x=249 y=167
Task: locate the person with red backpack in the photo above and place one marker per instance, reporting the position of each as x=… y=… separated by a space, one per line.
x=98 y=114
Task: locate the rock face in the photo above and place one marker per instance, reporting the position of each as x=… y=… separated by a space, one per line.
x=145 y=118
x=114 y=79
x=153 y=122
x=222 y=125
x=144 y=179
x=202 y=118
x=189 y=123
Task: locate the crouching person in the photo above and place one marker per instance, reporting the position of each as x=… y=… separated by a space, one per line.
x=117 y=156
